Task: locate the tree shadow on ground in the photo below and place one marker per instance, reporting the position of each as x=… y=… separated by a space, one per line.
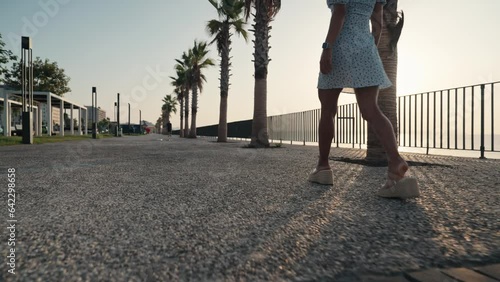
x=364 y=162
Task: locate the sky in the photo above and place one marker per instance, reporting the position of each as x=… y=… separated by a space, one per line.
x=129 y=47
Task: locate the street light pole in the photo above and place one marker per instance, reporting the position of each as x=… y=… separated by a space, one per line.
x=114 y=113
x=118 y=115
x=26 y=89
x=94 y=113
x=140 y=121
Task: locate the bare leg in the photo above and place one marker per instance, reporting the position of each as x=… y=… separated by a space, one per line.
x=328 y=99
x=367 y=101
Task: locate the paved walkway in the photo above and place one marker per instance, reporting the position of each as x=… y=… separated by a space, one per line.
x=146 y=209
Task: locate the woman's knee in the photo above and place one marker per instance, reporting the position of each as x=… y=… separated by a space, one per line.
x=328 y=110
x=367 y=101
x=329 y=99
x=370 y=113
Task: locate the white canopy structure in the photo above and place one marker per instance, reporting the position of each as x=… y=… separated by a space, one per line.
x=39 y=98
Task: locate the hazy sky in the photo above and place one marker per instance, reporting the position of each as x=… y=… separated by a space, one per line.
x=129 y=46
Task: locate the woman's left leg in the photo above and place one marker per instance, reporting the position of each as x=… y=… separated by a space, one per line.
x=367 y=101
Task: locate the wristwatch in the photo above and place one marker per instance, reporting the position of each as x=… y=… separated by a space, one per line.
x=327 y=45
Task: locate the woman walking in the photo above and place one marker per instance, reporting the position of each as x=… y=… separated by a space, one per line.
x=350 y=59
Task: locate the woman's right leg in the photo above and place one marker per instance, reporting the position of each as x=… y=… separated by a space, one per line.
x=328 y=99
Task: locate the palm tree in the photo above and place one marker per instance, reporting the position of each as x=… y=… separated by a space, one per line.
x=230 y=17
x=158 y=124
x=169 y=107
x=391 y=30
x=265 y=11
x=180 y=98
x=197 y=64
x=183 y=69
x=180 y=90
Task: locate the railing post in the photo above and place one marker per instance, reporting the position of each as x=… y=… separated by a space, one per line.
x=338 y=125
x=492 y=118
x=482 y=122
x=353 y=132
x=428 y=116
x=303 y=129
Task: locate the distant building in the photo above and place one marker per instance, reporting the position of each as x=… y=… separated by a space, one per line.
x=101 y=114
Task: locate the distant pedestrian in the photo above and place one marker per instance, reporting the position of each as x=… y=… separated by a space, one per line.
x=350 y=59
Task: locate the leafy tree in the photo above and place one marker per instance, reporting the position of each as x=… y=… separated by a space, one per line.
x=103 y=124
x=47 y=76
x=5 y=57
x=230 y=12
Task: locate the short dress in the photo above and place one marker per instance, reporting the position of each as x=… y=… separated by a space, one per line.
x=356 y=61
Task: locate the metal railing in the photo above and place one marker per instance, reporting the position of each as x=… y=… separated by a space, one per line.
x=443 y=119
x=461 y=118
x=350 y=128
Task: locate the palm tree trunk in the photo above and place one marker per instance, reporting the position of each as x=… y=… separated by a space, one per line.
x=224 y=86
x=260 y=137
x=165 y=124
x=387 y=97
x=181 y=131
x=194 y=110
x=164 y=121
x=222 y=130
x=186 y=114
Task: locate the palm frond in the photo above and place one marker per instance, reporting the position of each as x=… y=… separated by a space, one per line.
x=214 y=27
x=239 y=27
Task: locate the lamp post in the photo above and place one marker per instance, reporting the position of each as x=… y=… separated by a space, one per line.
x=27 y=89
x=94 y=113
x=128 y=118
x=114 y=113
x=118 y=115
x=140 y=122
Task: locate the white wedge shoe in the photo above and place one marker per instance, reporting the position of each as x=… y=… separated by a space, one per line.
x=405 y=188
x=324 y=177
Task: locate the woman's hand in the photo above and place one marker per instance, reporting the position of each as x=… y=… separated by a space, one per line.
x=325 y=64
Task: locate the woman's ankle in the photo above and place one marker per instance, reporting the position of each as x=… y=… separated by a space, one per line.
x=322 y=165
x=398 y=167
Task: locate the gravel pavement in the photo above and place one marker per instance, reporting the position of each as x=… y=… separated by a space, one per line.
x=152 y=208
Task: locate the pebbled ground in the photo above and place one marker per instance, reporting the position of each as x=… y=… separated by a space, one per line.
x=152 y=208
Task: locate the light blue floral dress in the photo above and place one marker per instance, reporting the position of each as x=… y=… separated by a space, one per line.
x=356 y=62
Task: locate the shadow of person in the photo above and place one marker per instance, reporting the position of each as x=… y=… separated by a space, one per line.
x=348 y=230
